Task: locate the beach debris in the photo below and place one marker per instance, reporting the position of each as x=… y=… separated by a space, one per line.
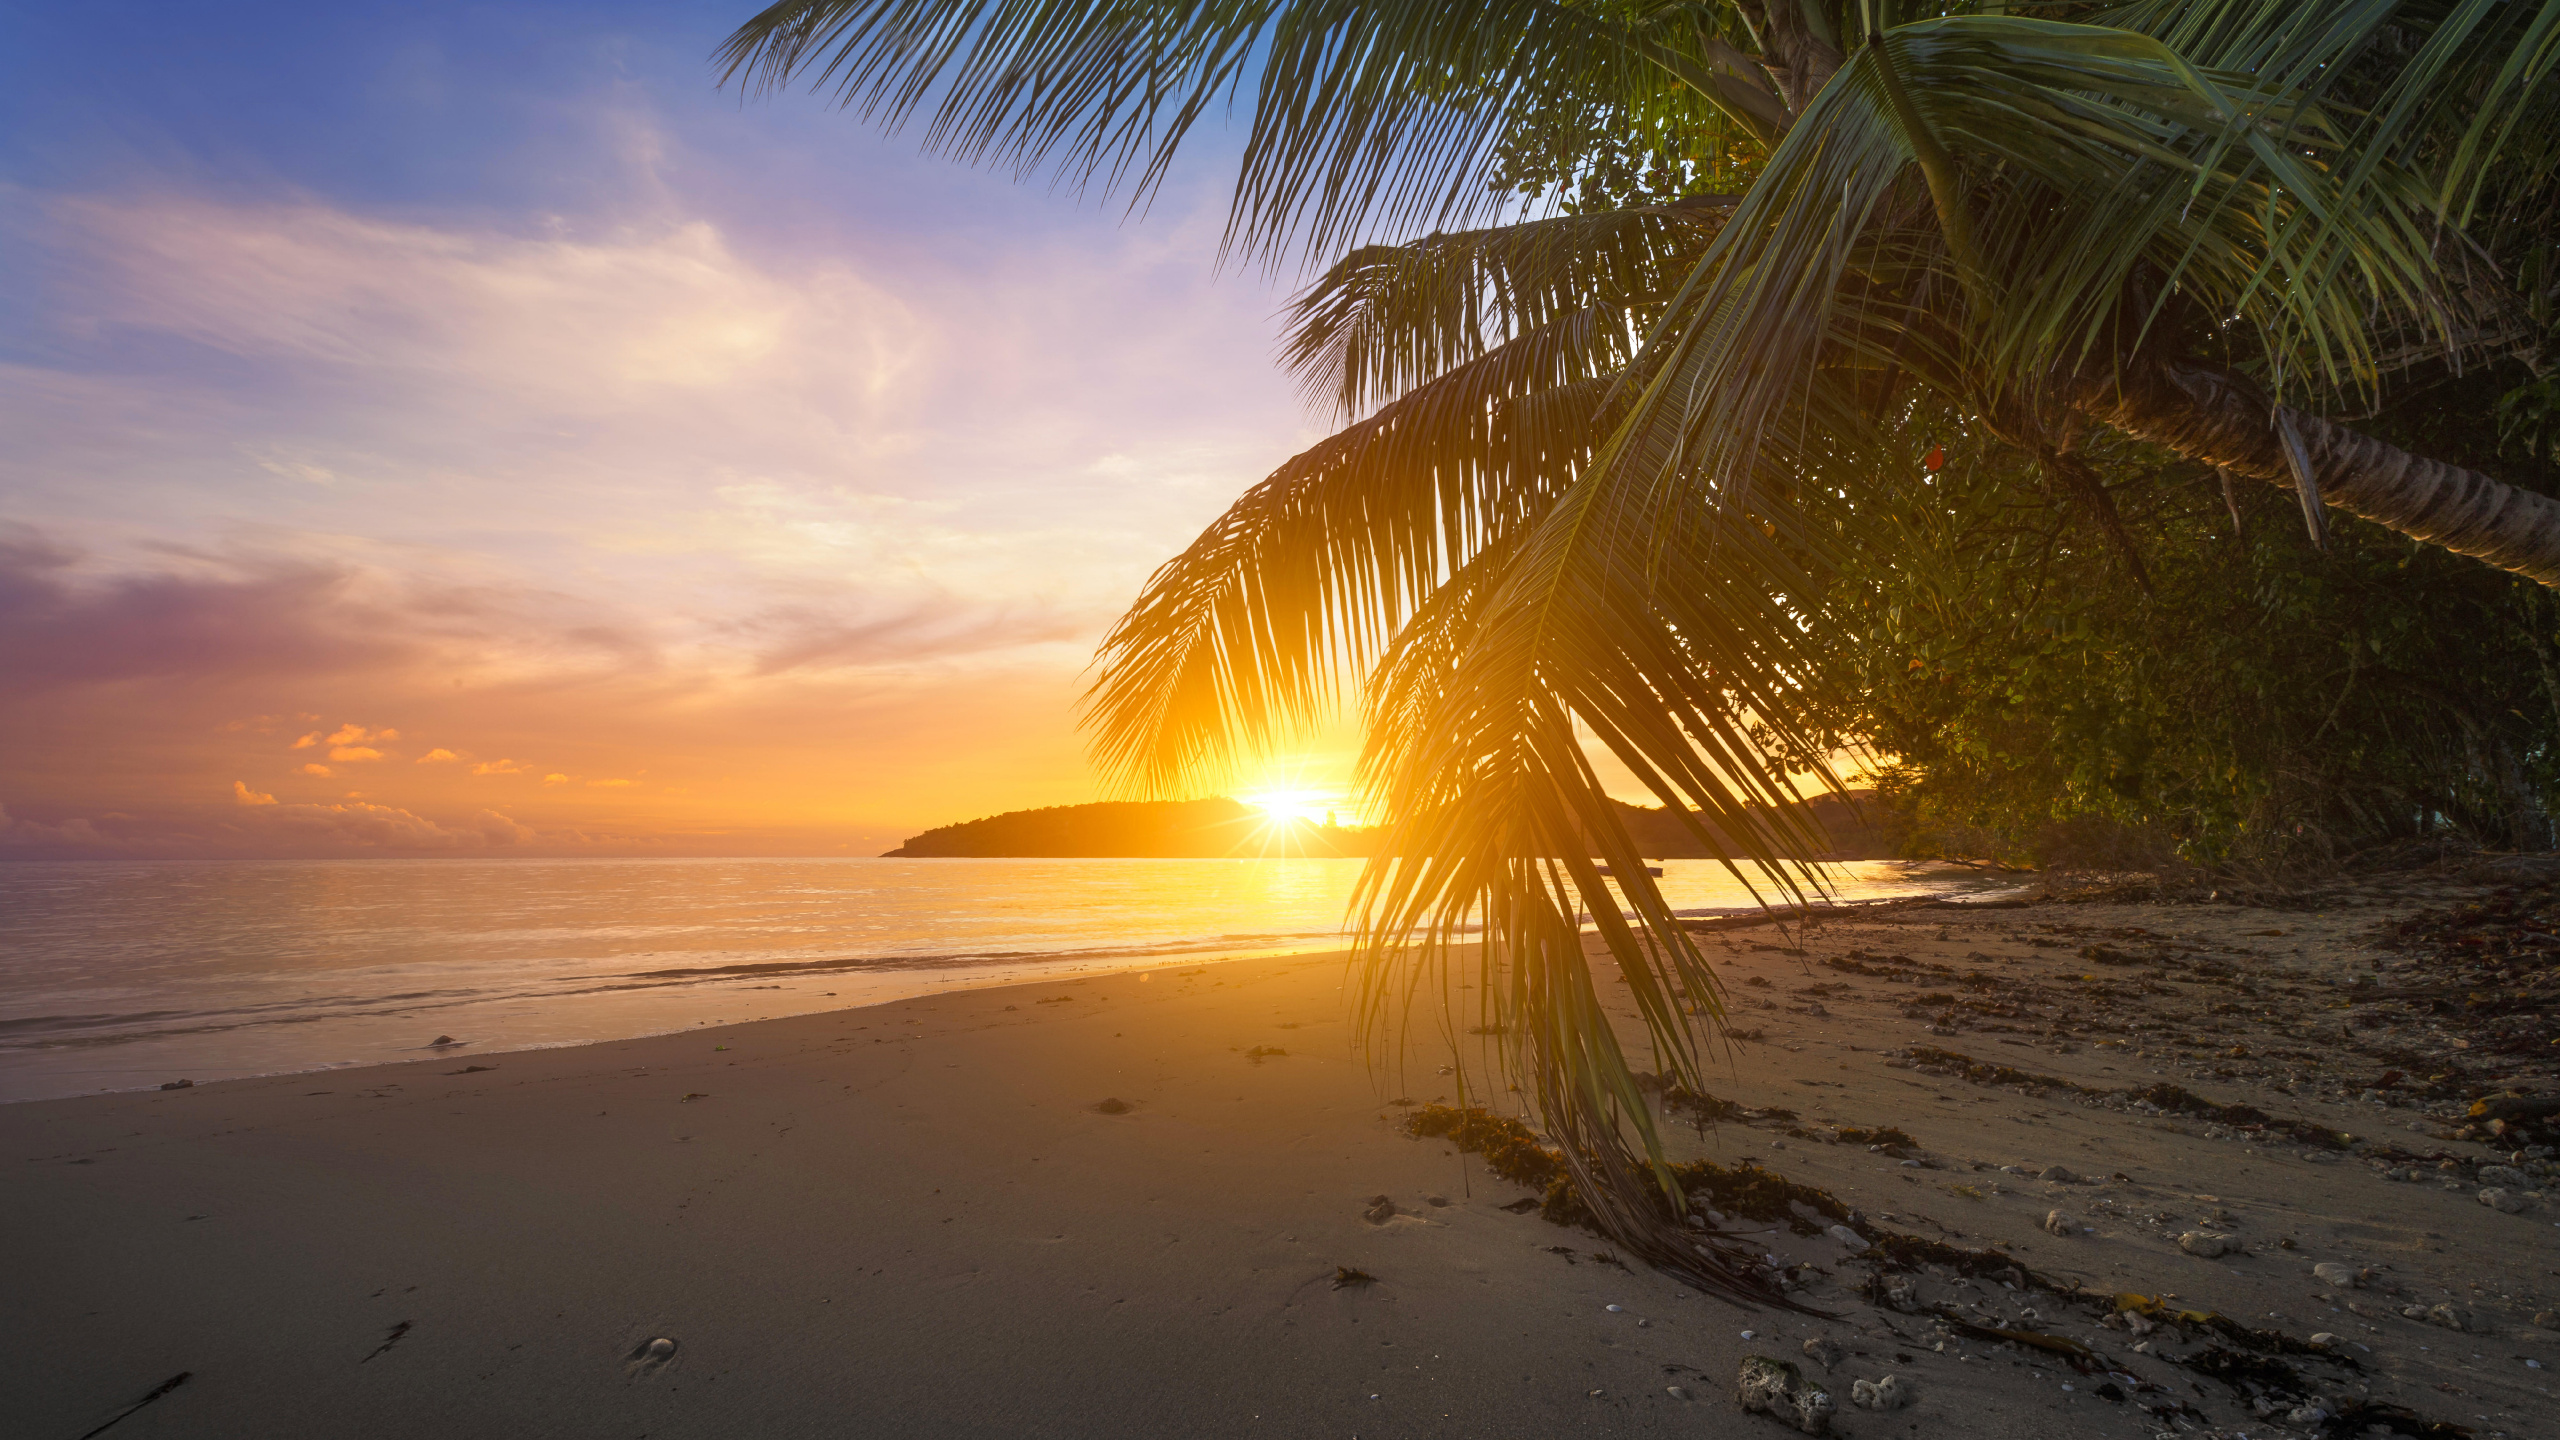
x=390 y=1338
x=2504 y=1201
x=1509 y=1148
x=1675 y=1392
x=2330 y=1272
x=1614 y=1309
x=178 y=1085
x=1345 y=1278
x=2057 y=1223
x=1893 y=1392
x=2208 y=1244
x=1779 y=1390
x=2325 y=1339
x=156 y=1391
x=1823 y=1351
x=1379 y=1210
x=2457 y=1317
x=1113 y=1105
x=649 y=1356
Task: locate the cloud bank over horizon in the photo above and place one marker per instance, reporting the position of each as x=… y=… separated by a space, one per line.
x=616 y=469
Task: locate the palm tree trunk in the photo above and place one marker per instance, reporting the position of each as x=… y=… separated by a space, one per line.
x=2210 y=414
x=1797 y=57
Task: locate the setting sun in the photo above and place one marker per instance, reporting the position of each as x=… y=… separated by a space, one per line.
x=1283 y=807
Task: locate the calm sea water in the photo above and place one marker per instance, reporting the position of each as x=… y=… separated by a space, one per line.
x=119 y=976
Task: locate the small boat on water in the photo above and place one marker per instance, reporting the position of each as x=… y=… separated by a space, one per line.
x=1653 y=870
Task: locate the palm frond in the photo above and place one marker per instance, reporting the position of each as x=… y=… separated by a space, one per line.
x=1388 y=318
x=1364 y=116
x=1252 y=632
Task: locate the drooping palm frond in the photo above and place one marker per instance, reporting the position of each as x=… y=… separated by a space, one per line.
x=1254 y=631
x=1479 y=728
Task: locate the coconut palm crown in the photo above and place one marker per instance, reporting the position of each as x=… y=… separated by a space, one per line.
x=1601 y=463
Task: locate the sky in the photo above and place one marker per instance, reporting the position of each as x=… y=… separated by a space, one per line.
x=466 y=429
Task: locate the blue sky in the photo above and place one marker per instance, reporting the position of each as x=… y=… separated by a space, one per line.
x=659 y=468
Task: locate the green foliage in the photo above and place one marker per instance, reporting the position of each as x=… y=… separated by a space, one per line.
x=2265 y=702
x=1587 y=159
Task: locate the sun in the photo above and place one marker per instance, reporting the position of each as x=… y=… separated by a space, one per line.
x=1283 y=807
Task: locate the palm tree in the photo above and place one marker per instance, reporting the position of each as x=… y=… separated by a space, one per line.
x=1625 y=448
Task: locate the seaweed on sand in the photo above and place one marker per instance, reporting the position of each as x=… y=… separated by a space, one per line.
x=1756 y=1194
x=1509 y=1149
x=2162 y=1096
x=1512 y=1152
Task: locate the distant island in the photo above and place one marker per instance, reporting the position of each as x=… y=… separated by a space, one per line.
x=1225 y=828
x=1140 y=829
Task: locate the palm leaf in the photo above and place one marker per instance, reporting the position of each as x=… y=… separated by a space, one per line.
x=1363 y=116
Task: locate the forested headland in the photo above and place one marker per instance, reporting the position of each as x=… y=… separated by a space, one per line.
x=1223 y=828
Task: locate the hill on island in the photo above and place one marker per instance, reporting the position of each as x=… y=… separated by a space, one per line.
x=1216 y=828
x=1221 y=828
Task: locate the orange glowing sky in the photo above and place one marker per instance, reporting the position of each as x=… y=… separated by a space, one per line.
x=473 y=432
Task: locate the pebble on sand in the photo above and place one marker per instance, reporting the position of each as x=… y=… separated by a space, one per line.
x=2456 y=1317
x=2207 y=1244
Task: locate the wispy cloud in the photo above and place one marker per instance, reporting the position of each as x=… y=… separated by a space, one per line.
x=810 y=531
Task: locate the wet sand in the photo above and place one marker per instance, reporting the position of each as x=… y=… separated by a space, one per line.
x=922 y=1218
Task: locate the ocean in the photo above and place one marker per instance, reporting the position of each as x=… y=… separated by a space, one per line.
x=122 y=975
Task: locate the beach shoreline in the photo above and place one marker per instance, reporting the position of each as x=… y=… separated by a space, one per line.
x=1115 y=1205
x=143 y=1010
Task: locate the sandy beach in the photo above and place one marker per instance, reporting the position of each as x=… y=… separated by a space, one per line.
x=1124 y=1205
